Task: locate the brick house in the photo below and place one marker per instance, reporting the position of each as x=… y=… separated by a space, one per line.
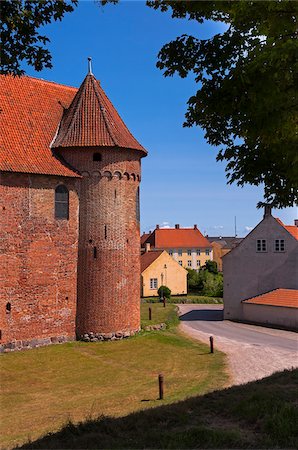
x=69 y=199
x=186 y=245
x=265 y=262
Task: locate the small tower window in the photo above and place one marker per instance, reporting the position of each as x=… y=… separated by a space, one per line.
x=97 y=157
x=8 y=308
x=94 y=252
x=61 y=202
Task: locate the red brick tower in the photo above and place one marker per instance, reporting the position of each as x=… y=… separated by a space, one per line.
x=93 y=139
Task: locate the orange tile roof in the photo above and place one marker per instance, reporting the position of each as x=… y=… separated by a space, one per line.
x=277 y=297
x=148 y=258
x=91 y=120
x=178 y=238
x=29 y=116
x=292 y=229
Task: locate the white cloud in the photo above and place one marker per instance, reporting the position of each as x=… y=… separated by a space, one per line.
x=248 y=229
x=165 y=225
x=218 y=227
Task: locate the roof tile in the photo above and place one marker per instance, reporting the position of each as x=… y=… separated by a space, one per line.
x=277 y=297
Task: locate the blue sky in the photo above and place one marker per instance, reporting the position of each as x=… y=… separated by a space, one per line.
x=181 y=180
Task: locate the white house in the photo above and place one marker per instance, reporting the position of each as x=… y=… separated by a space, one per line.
x=266 y=260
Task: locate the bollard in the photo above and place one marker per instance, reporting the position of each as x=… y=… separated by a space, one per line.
x=211 y=344
x=164 y=302
x=160 y=385
x=150 y=313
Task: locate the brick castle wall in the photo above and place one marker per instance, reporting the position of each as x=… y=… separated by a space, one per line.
x=109 y=243
x=38 y=260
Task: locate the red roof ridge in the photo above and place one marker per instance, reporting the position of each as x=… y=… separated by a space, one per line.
x=103 y=110
x=291 y=229
x=276 y=297
x=42 y=80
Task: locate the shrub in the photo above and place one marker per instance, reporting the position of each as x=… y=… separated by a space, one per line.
x=164 y=291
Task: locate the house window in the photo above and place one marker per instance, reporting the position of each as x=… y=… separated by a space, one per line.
x=198 y=263
x=180 y=262
x=279 y=245
x=261 y=245
x=171 y=252
x=207 y=251
x=179 y=252
x=189 y=263
x=61 y=202
x=97 y=157
x=198 y=252
x=189 y=252
x=153 y=283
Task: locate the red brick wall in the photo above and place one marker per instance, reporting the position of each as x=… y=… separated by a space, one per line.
x=38 y=259
x=108 y=285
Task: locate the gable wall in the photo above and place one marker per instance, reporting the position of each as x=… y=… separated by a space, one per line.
x=38 y=260
x=248 y=273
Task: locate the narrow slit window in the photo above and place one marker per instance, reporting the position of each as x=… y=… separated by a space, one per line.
x=8 y=307
x=106 y=231
x=97 y=157
x=61 y=202
x=94 y=252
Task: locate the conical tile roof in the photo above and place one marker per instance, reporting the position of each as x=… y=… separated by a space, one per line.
x=92 y=121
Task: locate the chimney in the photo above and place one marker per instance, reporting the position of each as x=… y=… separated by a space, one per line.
x=267 y=211
x=144 y=233
x=195 y=227
x=177 y=226
x=296 y=222
x=157 y=227
x=147 y=247
x=150 y=231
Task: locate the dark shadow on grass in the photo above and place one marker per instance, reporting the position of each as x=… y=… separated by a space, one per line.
x=259 y=414
x=209 y=315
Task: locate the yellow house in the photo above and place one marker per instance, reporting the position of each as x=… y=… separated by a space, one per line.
x=187 y=246
x=159 y=268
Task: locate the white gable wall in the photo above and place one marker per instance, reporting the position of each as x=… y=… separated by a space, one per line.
x=248 y=273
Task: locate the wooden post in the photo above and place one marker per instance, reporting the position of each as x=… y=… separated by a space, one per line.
x=164 y=302
x=150 y=313
x=211 y=344
x=160 y=385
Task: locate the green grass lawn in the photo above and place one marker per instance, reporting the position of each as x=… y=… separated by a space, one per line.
x=159 y=314
x=261 y=414
x=44 y=388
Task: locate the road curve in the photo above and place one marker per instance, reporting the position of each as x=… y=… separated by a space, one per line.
x=253 y=351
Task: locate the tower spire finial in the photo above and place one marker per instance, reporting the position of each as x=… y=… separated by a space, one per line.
x=90 y=65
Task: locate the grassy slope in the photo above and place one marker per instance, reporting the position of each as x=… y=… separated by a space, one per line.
x=261 y=414
x=43 y=388
x=160 y=314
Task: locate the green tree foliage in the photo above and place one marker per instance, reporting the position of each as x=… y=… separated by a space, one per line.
x=164 y=291
x=20 y=22
x=247 y=77
x=211 y=266
x=205 y=282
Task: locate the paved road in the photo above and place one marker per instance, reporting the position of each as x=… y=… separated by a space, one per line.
x=209 y=319
x=252 y=352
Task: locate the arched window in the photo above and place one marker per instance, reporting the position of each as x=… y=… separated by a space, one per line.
x=97 y=157
x=61 y=202
x=8 y=308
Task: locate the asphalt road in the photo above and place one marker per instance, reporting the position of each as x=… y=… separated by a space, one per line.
x=209 y=319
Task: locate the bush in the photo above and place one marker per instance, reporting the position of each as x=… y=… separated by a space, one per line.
x=164 y=291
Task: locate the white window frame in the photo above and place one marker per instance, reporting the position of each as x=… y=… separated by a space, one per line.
x=198 y=263
x=261 y=246
x=207 y=251
x=198 y=251
x=189 y=263
x=171 y=252
x=180 y=262
x=179 y=252
x=279 y=246
x=189 y=252
x=153 y=283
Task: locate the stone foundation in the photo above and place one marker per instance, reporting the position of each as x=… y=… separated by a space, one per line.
x=117 y=336
x=34 y=343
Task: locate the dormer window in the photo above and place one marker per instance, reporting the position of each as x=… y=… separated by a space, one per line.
x=97 y=157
